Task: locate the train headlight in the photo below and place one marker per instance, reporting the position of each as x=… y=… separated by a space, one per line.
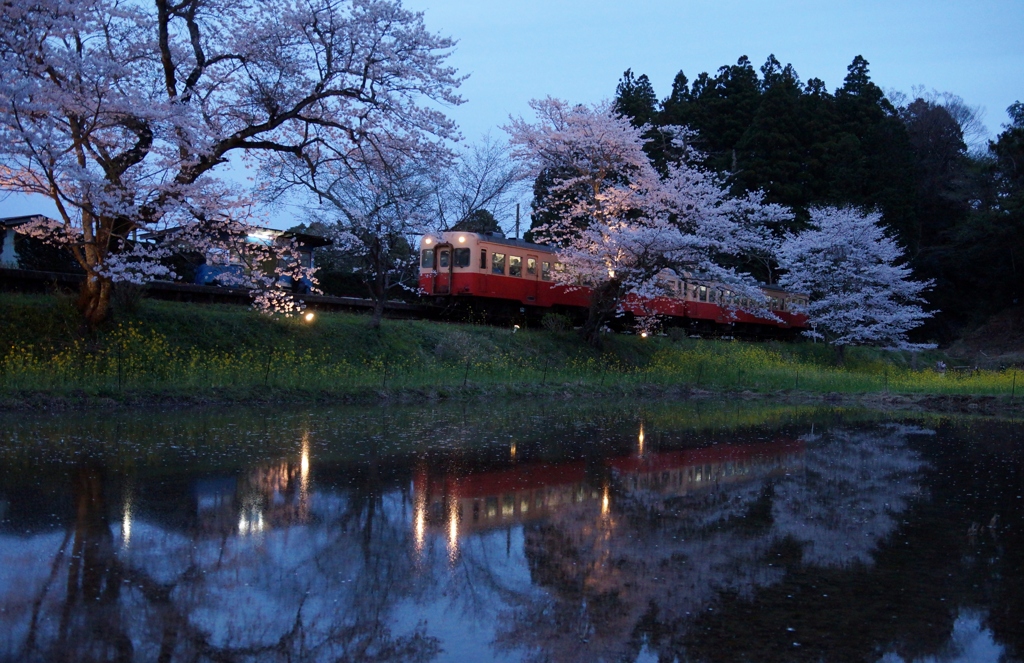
x=428 y=241
x=462 y=240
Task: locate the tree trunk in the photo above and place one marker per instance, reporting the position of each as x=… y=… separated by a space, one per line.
x=94 y=299
x=379 y=294
x=378 y=313
x=840 y=354
x=604 y=301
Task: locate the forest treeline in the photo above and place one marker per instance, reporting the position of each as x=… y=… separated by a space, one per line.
x=958 y=212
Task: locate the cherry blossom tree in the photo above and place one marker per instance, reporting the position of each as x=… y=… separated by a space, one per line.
x=619 y=222
x=482 y=176
x=372 y=207
x=375 y=201
x=859 y=293
x=127 y=115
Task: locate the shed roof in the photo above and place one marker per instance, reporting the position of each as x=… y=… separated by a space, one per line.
x=14 y=221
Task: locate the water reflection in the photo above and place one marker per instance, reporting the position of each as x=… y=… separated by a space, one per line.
x=575 y=542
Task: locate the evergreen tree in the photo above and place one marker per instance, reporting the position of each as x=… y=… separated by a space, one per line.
x=635 y=99
x=771 y=149
x=478 y=221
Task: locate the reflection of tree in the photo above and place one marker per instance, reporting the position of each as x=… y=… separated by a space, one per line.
x=321 y=591
x=664 y=559
x=89 y=623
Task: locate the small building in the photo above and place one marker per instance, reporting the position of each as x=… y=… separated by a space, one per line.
x=19 y=250
x=8 y=250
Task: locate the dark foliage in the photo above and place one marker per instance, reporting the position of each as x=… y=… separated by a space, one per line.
x=960 y=216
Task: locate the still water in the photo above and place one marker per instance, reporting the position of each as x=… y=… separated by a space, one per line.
x=595 y=532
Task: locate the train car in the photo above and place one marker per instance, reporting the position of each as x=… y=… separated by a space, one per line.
x=506 y=277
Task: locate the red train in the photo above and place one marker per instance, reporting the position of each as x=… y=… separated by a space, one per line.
x=513 y=279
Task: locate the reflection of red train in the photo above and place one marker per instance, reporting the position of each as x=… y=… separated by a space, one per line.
x=498 y=273
x=489 y=499
x=682 y=472
x=533 y=490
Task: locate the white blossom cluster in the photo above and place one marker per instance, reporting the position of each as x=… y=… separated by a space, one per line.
x=618 y=220
x=123 y=114
x=859 y=292
x=625 y=221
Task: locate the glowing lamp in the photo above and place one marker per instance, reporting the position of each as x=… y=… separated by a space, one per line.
x=309 y=316
x=643 y=334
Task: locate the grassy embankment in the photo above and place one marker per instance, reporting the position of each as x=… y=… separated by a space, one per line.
x=167 y=350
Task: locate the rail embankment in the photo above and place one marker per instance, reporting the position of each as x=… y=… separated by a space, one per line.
x=169 y=353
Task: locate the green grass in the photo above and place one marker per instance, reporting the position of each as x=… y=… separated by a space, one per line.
x=168 y=348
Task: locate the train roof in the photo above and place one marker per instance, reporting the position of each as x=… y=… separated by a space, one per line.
x=495 y=238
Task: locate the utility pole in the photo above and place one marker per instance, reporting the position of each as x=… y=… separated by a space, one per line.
x=517 y=220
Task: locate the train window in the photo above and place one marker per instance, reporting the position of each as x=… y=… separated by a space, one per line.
x=490 y=507
x=483 y=258
x=703 y=293
x=461 y=257
x=498 y=263
x=443 y=259
x=545 y=270
x=428 y=259
x=515 y=266
x=531 y=266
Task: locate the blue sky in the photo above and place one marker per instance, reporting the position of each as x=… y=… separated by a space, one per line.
x=517 y=50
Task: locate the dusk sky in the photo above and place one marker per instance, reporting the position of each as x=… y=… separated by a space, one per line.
x=517 y=50
x=577 y=49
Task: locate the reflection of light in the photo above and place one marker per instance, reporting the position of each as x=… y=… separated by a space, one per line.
x=453 y=527
x=251 y=521
x=421 y=523
x=640 y=448
x=304 y=478
x=126 y=525
x=304 y=463
x=420 y=510
x=513 y=451
x=605 y=502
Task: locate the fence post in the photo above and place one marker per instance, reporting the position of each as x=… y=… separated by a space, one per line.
x=465 y=376
x=544 y=377
x=266 y=373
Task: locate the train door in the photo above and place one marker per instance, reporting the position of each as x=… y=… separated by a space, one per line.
x=443 y=280
x=532 y=277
